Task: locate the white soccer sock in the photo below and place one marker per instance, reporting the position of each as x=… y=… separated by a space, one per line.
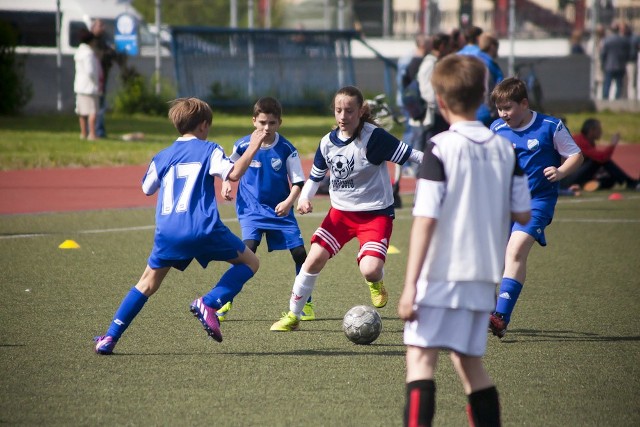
x=302 y=289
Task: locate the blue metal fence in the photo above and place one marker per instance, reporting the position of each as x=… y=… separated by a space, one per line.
x=234 y=67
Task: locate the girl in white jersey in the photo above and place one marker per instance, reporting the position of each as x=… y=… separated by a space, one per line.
x=355 y=153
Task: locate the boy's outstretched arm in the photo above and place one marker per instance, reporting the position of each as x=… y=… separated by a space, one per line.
x=284 y=206
x=421 y=234
x=570 y=165
x=240 y=166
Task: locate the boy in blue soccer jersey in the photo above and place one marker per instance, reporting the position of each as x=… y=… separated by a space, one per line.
x=267 y=191
x=188 y=224
x=547 y=153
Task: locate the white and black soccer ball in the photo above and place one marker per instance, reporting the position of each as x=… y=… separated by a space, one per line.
x=362 y=324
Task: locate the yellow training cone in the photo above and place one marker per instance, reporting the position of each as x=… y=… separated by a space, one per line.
x=392 y=250
x=69 y=244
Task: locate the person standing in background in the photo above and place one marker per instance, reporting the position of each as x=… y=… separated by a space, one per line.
x=407 y=71
x=489 y=45
x=87 y=84
x=107 y=56
x=433 y=122
x=614 y=56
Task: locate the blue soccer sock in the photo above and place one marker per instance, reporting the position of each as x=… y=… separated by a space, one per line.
x=128 y=310
x=229 y=285
x=507 y=297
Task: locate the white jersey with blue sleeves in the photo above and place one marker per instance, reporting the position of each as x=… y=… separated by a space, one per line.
x=186 y=209
x=359 y=178
x=267 y=182
x=539 y=144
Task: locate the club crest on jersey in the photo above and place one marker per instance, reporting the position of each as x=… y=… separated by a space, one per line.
x=341 y=167
x=276 y=164
x=533 y=144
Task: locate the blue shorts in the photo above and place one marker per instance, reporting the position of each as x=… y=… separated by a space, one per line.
x=285 y=238
x=222 y=245
x=541 y=216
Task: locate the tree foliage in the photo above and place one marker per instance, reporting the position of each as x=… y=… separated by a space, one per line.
x=15 y=90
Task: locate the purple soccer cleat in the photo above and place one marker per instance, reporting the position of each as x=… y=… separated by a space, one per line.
x=104 y=344
x=207 y=316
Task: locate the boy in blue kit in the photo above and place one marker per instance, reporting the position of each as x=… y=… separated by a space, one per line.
x=547 y=153
x=267 y=191
x=188 y=224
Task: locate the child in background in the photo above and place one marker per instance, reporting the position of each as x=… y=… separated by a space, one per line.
x=547 y=153
x=469 y=188
x=188 y=224
x=267 y=191
x=361 y=196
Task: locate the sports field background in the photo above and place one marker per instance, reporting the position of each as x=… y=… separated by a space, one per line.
x=571 y=355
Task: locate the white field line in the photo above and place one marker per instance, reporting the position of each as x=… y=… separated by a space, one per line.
x=402 y=217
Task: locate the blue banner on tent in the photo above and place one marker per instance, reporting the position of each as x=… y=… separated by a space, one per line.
x=126 y=35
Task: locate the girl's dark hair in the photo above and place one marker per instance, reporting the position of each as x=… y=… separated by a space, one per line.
x=354 y=92
x=85 y=36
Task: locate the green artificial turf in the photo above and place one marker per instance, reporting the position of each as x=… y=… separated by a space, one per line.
x=571 y=355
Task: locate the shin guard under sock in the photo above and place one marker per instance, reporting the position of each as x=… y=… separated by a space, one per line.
x=128 y=310
x=483 y=409
x=421 y=403
x=229 y=285
x=507 y=297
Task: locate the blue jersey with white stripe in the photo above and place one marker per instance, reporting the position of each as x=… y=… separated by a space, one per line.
x=539 y=144
x=267 y=182
x=186 y=210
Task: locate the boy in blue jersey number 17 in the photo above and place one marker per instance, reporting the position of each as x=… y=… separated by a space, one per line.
x=547 y=153
x=188 y=224
x=268 y=190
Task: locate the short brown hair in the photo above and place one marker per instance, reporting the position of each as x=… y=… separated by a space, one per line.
x=460 y=82
x=487 y=40
x=187 y=114
x=267 y=105
x=510 y=89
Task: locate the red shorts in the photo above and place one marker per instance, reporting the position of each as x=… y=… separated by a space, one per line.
x=339 y=227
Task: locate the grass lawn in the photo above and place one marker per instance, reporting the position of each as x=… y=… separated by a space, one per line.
x=52 y=141
x=571 y=355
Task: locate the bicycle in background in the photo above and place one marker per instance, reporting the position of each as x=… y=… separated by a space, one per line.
x=385 y=115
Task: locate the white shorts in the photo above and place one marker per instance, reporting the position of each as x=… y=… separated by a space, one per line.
x=87 y=105
x=460 y=330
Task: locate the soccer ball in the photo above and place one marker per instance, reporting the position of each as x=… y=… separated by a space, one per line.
x=362 y=324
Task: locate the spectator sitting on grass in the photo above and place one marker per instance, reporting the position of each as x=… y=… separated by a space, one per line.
x=598 y=171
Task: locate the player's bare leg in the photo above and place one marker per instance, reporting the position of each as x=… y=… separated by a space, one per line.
x=372 y=269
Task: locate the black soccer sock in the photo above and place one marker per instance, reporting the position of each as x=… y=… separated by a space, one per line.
x=421 y=403
x=483 y=409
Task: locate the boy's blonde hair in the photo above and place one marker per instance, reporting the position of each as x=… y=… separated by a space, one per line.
x=268 y=105
x=510 y=89
x=460 y=82
x=187 y=114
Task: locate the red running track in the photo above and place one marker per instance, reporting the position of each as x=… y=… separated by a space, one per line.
x=78 y=189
